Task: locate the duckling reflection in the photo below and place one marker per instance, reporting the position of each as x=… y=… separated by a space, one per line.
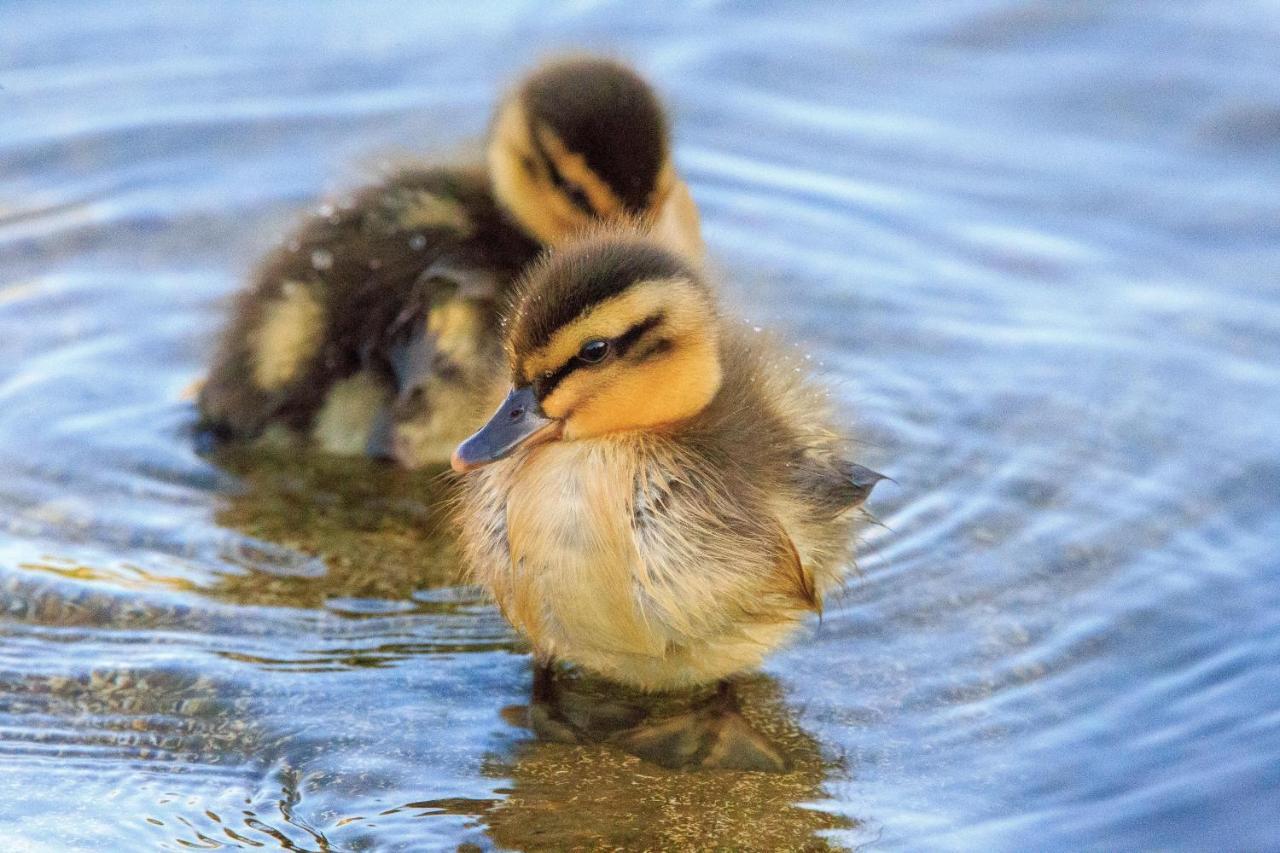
x=620 y=802
x=661 y=500
x=375 y=329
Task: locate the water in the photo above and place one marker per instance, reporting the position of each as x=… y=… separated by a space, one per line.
x=1033 y=246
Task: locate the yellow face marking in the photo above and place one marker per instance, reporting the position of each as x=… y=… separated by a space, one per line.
x=456 y=402
x=622 y=394
x=522 y=185
x=649 y=395
x=527 y=193
x=454 y=410
x=289 y=335
x=681 y=301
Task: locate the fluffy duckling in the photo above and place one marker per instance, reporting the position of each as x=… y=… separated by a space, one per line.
x=661 y=499
x=375 y=329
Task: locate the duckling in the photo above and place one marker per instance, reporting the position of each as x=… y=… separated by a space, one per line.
x=374 y=330
x=661 y=499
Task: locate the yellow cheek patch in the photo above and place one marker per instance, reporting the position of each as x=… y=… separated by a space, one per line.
x=681 y=303
x=289 y=335
x=563 y=400
x=625 y=394
x=649 y=395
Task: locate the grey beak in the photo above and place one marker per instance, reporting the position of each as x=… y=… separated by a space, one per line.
x=519 y=422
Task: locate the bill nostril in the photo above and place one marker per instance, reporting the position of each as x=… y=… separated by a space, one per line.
x=516 y=414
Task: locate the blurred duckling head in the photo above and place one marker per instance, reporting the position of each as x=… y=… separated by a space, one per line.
x=584 y=140
x=613 y=334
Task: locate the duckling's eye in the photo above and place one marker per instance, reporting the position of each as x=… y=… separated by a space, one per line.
x=594 y=351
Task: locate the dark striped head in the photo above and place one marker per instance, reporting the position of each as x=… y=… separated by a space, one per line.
x=610 y=334
x=582 y=140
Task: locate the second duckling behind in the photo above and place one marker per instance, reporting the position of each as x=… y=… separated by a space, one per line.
x=374 y=329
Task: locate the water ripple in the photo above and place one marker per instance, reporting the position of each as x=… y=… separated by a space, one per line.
x=1031 y=247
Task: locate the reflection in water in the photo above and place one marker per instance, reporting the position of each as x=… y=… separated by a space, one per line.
x=587 y=797
x=123 y=575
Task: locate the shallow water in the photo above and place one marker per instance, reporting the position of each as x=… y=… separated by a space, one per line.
x=1034 y=247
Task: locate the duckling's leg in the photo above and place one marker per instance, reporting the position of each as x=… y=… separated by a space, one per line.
x=715 y=735
x=545 y=715
x=573 y=719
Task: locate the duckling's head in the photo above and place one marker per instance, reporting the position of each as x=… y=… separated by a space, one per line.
x=608 y=335
x=583 y=140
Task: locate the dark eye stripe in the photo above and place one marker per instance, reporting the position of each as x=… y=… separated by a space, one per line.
x=544 y=385
x=544 y=158
x=570 y=191
x=578 y=197
x=656 y=348
x=628 y=339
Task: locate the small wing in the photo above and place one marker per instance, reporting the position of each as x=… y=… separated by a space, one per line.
x=834 y=485
x=861 y=480
x=709 y=553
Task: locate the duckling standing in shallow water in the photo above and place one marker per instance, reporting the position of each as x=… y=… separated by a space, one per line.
x=375 y=329
x=661 y=499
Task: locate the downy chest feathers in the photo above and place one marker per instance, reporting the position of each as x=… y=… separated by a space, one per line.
x=603 y=553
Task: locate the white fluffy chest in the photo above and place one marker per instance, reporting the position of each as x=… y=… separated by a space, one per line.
x=575 y=568
x=608 y=557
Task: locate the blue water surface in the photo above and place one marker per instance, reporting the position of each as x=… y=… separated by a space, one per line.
x=1034 y=247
